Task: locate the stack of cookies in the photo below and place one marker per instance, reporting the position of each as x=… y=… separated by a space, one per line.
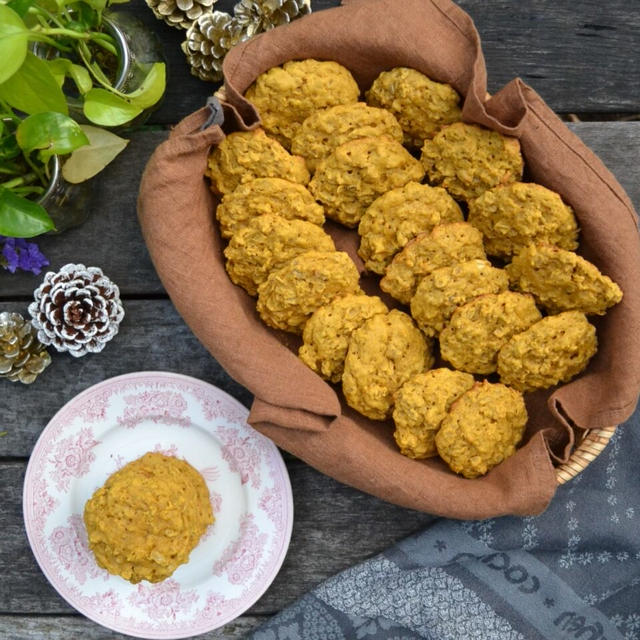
x=486 y=298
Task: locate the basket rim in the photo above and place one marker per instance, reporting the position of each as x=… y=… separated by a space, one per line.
x=591 y=446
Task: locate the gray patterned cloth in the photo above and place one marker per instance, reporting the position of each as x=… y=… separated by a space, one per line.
x=571 y=572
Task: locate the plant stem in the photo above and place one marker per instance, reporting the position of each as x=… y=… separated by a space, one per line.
x=17 y=182
x=40 y=174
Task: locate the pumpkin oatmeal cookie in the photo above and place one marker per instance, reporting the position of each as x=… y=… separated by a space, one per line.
x=483 y=428
x=357 y=172
x=327 y=129
x=285 y=96
x=290 y=295
x=553 y=350
x=266 y=243
x=561 y=280
x=421 y=404
x=445 y=289
x=266 y=195
x=513 y=216
x=398 y=216
x=327 y=332
x=480 y=328
x=245 y=155
x=447 y=244
x=383 y=353
x=467 y=160
x=420 y=104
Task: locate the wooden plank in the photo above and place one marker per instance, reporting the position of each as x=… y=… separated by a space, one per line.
x=111 y=237
x=152 y=337
x=71 y=626
x=579 y=57
x=334 y=528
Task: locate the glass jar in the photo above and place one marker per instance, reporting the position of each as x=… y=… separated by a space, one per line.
x=67 y=204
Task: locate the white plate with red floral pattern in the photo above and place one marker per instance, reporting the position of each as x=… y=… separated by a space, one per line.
x=119 y=420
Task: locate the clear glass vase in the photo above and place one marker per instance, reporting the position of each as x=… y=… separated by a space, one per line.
x=67 y=204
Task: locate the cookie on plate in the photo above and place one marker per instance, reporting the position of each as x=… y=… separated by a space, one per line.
x=420 y=104
x=266 y=195
x=479 y=329
x=467 y=159
x=420 y=406
x=447 y=244
x=553 y=350
x=290 y=295
x=327 y=332
x=445 y=289
x=285 y=96
x=383 y=353
x=398 y=216
x=357 y=172
x=483 y=428
x=246 y=155
x=266 y=243
x=561 y=280
x=513 y=216
x=327 y=129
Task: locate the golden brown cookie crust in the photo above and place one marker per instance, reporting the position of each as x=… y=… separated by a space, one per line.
x=290 y=295
x=285 y=96
x=267 y=243
x=467 y=160
x=266 y=196
x=561 y=280
x=383 y=353
x=445 y=289
x=420 y=104
x=246 y=155
x=513 y=216
x=327 y=332
x=447 y=244
x=479 y=329
x=327 y=129
x=357 y=172
x=482 y=429
x=421 y=405
x=398 y=216
x=553 y=350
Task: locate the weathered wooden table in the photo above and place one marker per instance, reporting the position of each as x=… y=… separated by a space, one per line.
x=582 y=56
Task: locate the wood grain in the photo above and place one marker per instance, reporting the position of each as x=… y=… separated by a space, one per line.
x=580 y=56
x=111 y=236
x=72 y=627
x=335 y=527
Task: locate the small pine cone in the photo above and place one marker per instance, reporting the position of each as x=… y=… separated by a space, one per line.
x=208 y=40
x=22 y=356
x=180 y=13
x=255 y=16
x=77 y=309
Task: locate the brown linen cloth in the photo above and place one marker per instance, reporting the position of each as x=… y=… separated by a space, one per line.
x=296 y=408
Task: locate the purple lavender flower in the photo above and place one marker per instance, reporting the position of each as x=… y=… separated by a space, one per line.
x=17 y=253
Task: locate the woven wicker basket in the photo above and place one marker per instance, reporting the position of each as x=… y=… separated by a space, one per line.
x=591 y=446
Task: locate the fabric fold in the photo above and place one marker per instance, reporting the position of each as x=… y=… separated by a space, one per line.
x=296 y=408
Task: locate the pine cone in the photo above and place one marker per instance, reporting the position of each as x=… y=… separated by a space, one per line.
x=255 y=16
x=22 y=357
x=180 y=13
x=77 y=309
x=208 y=40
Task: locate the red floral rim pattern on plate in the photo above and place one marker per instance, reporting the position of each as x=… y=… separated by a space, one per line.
x=117 y=421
